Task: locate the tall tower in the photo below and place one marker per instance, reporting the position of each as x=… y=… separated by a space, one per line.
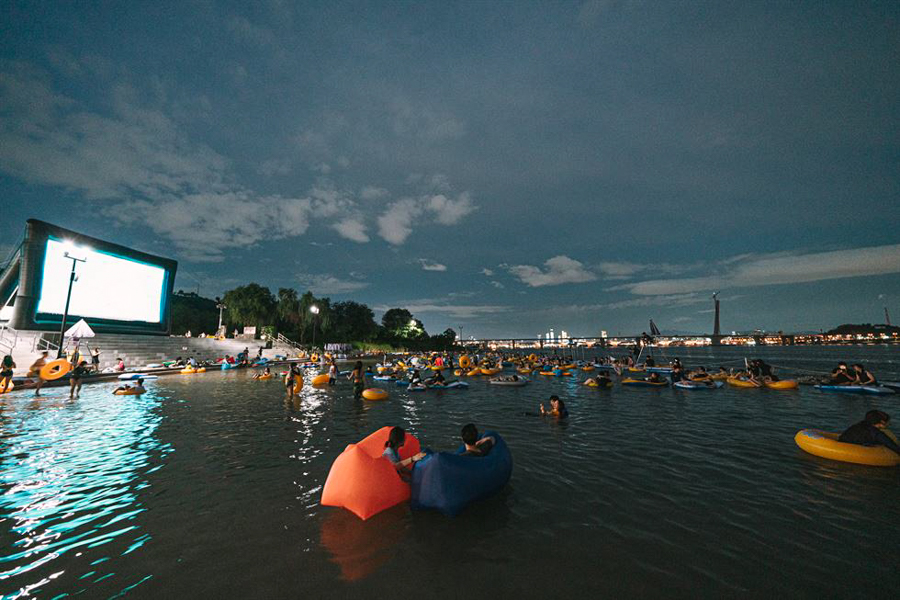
x=716 y=329
x=717 y=332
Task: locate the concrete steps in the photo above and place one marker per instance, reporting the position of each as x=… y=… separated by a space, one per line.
x=140 y=350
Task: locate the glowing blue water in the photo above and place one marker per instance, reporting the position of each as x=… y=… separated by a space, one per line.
x=208 y=486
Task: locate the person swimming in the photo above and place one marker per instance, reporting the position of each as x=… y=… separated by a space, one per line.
x=870 y=431
x=474 y=445
x=557 y=408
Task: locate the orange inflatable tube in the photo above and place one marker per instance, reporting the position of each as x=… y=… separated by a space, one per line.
x=363 y=481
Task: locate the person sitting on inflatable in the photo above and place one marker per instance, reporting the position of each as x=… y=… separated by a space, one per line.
x=863 y=377
x=266 y=373
x=766 y=372
x=841 y=376
x=869 y=432
x=678 y=374
x=137 y=388
x=474 y=446
x=396 y=439
x=436 y=379
x=654 y=378
x=415 y=378
x=650 y=362
x=557 y=408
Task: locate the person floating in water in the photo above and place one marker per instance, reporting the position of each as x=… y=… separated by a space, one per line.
x=475 y=446
x=557 y=408
x=138 y=388
x=870 y=432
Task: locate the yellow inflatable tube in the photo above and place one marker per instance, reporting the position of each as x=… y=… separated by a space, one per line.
x=8 y=389
x=490 y=371
x=741 y=383
x=786 y=384
x=464 y=362
x=298 y=384
x=55 y=369
x=825 y=445
x=375 y=394
x=475 y=371
x=129 y=392
x=321 y=379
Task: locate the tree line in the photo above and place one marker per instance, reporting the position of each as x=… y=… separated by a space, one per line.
x=305 y=318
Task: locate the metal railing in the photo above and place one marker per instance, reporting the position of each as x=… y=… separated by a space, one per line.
x=41 y=343
x=281 y=339
x=8 y=338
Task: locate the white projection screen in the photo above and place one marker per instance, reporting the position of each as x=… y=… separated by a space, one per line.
x=108 y=287
x=118 y=290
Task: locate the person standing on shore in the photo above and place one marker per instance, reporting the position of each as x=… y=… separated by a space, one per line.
x=95 y=359
x=35 y=371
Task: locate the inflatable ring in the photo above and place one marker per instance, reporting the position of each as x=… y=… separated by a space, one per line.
x=490 y=371
x=8 y=389
x=532 y=357
x=459 y=372
x=129 y=392
x=269 y=376
x=187 y=370
x=826 y=445
x=375 y=394
x=741 y=383
x=587 y=369
x=298 y=384
x=320 y=379
x=314 y=358
x=201 y=370
x=464 y=362
x=785 y=384
x=55 y=369
x=473 y=372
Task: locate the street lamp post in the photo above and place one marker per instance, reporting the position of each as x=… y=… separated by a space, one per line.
x=221 y=306
x=315 y=311
x=72 y=279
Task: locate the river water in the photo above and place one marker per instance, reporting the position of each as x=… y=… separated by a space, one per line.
x=208 y=486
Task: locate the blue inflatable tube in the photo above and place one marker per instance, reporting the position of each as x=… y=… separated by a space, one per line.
x=449 y=482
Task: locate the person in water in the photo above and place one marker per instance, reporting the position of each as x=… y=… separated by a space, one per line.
x=290 y=379
x=678 y=374
x=841 y=375
x=6 y=373
x=438 y=378
x=415 y=378
x=557 y=408
x=654 y=378
x=332 y=373
x=396 y=439
x=266 y=373
x=35 y=371
x=870 y=432
x=862 y=376
x=75 y=379
x=138 y=387
x=474 y=445
x=358 y=379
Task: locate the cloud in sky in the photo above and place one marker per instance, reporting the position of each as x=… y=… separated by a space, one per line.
x=558 y=270
x=783 y=268
x=329 y=284
x=352 y=228
x=429 y=265
x=396 y=223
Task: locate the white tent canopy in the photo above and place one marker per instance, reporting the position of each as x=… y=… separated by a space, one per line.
x=80 y=330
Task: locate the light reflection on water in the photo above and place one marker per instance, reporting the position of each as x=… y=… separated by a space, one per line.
x=72 y=472
x=210 y=484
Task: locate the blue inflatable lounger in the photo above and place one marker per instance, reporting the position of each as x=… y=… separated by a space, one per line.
x=449 y=481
